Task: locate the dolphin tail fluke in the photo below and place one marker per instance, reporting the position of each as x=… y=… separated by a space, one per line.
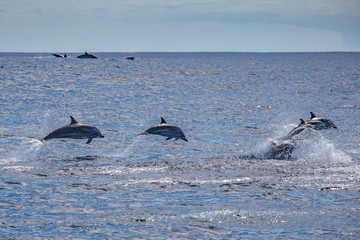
x=89 y=141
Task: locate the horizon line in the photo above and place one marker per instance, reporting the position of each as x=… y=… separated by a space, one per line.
x=70 y=52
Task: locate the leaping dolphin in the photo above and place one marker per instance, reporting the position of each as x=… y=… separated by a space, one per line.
x=318 y=123
x=86 y=55
x=75 y=130
x=166 y=130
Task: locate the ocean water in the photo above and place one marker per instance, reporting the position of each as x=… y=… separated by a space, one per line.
x=217 y=185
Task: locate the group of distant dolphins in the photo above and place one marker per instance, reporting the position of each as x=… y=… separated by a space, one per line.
x=278 y=149
x=85 y=55
x=283 y=147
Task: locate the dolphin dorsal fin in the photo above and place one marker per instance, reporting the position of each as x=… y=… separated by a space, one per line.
x=73 y=121
x=162 y=121
x=302 y=121
x=312 y=115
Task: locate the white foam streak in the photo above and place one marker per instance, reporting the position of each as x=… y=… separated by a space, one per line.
x=174 y=181
x=209 y=215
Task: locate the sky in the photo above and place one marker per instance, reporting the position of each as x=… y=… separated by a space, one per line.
x=179 y=25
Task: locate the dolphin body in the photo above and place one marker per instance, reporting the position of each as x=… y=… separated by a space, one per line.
x=166 y=130
x=60 y=56
x=318 y=123
x=75 y=130
x=86 y=55
x=280 y=150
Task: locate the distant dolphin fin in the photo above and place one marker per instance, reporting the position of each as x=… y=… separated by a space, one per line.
x=162 y=121
x=312 y=115
x=89 y=141
x=73 y=121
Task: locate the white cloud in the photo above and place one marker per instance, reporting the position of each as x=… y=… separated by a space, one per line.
x=182 y=25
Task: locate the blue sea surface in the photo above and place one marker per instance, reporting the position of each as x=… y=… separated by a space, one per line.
x=215 y=186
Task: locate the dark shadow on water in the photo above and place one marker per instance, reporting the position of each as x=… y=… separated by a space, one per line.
x=262 y=157
x=87 y=158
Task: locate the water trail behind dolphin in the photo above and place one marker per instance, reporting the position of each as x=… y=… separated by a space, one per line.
x=26 y=150
x=127 y=151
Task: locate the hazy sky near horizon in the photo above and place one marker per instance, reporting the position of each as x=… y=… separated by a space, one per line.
x=178 y=26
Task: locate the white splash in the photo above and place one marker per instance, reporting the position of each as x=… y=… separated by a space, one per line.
x=310 y=144
x=316 y=148
x=52 y=120
x=26 y=150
